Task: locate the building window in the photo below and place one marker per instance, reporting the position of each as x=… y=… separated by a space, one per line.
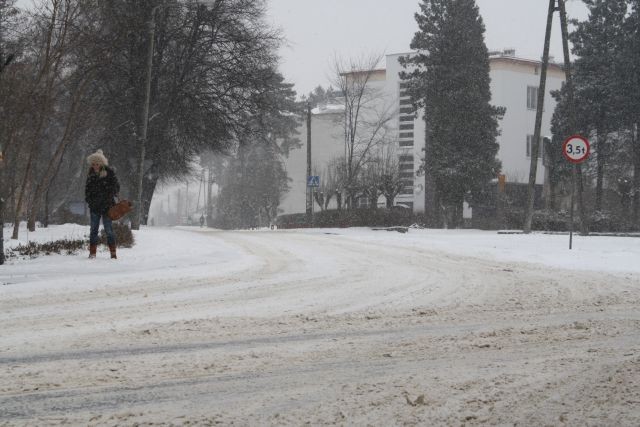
x=532 y=97
x=405 y=101
x=406 y=110
x=407 y=143
x=406 y=175
x=406 y=166
x=362 y=202
x=406 y=126
x=405 y=158
x=406 y=118
x=406 y=134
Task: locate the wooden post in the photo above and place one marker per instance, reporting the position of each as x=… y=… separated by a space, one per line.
x=535 y=144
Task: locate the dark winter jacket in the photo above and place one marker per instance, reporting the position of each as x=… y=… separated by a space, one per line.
x=99 y=192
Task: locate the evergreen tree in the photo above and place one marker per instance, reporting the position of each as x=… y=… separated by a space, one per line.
x=559 y=169
x=598 y=43
x=631 y=79
x=449 y=77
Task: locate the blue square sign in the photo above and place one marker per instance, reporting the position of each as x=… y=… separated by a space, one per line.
x=313 y=181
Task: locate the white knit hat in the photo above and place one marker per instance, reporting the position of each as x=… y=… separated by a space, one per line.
x=98 y=157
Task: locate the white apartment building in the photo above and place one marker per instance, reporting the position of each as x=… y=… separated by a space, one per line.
x=514 y=85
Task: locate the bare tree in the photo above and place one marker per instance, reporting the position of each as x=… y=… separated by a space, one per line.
x=367 y=114
x=51 y=44
x=59 y=148
x=391 y=182
x=370 y=180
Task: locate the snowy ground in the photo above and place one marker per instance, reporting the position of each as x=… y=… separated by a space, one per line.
x=346 y=327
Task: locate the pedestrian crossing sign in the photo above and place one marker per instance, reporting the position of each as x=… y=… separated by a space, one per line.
x=313 y=181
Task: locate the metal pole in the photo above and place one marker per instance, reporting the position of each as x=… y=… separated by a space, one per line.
x=573 y=191
x=535 y=144
x=309 y=190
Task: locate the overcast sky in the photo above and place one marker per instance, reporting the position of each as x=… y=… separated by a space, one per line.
x=316 y=30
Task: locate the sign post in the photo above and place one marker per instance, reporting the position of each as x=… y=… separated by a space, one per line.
x=576 y=149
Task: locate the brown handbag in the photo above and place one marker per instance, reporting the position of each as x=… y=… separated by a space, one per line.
x=120 y=209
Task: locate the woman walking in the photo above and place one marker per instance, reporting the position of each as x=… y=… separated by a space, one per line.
x=101 y=189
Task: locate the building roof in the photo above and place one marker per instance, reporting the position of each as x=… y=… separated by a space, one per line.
x=507 y=56
x=328 y=109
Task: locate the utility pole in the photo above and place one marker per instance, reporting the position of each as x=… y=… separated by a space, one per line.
x=535 y=144
x=577 y=169
x=309 y=189
x=145 y=119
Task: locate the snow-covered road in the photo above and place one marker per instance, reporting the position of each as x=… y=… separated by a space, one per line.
x=352 y=327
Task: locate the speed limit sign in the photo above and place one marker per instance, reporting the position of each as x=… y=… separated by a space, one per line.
x=576 y=149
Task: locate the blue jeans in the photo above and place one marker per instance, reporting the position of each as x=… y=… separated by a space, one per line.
x=108 y=228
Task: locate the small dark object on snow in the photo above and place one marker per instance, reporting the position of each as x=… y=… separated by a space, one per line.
x=398 y=229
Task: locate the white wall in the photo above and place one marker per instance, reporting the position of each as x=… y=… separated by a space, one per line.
x=326 y=144
x=393 y=86
x=510 y=78
x=509 y=83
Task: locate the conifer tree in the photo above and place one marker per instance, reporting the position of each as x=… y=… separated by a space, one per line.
x=449 y=77
x=598 y=44
x=631 y=76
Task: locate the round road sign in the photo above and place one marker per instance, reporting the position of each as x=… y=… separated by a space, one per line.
x=576 y=149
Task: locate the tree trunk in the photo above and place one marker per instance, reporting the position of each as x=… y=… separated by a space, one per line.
x=26 y=176
x=46 y=210
x=431 y=204
x=209 y=198
x=56 y=159
x=148 y=188
x=373 y=201
x=1 y=230
x=389 y=201
x=553 y=191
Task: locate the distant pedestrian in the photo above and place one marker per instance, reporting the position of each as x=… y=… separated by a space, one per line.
x=101 y=189
x=201 y=221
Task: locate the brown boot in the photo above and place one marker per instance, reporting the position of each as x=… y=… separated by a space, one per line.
x=92 y=251
x=112 y=249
